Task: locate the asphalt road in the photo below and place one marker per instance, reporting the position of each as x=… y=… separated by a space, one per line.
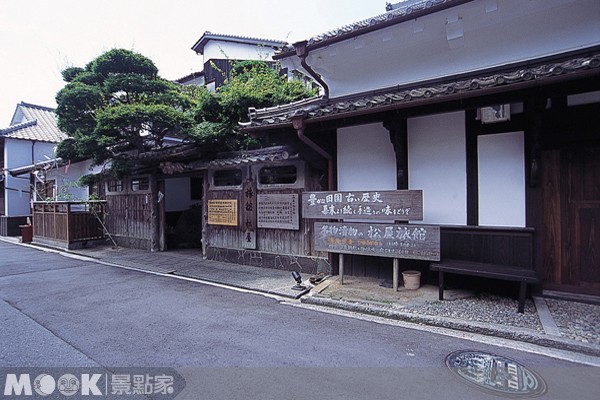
x=57 y=311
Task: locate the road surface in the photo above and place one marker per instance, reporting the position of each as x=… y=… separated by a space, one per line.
x=62 y=312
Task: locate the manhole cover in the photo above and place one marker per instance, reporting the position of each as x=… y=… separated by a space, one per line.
x=496 y=374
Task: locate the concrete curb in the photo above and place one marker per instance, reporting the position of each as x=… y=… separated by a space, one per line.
x=511 y=333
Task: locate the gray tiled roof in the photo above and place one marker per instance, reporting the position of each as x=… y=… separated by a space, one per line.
x=232 y=159
x=198 y=47
x=189 y=77
x=400 y=97
x=399 y=13
x=39 y=125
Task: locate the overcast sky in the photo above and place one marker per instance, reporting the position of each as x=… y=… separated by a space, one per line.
x=39 y=38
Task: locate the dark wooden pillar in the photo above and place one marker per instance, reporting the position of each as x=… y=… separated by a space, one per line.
x=154 y=215
x=471 y=132
x=534 y=109
x=162 y=215
x=398 y=128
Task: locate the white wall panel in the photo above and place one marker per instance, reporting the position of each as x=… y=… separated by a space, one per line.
x=437 y=165
x=423 y=48
x=366 y=158
x=502 y=179
x=218 y=50
x=17 y=153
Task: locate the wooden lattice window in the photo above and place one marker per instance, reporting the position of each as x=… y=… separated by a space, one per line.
x=140 y=184
x=227 y=177
x=279 y=175
x=114 y=185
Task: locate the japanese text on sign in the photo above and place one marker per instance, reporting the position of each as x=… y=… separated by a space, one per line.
x=420 y=242
x=223 y=212
x=249 y=216
x=278 y=211
x=398 y=205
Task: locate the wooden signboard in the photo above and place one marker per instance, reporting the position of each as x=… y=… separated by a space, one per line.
x=249 y=215
x=278 y=211
x=390 y=205
x=223 y=212
x=418 y=242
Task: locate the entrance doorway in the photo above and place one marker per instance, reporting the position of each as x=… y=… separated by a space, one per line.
x=571 y=232
x=182 y=211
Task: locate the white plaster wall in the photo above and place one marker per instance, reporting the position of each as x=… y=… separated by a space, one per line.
x=17 y=153
x=67 y=180
x=236 y=51
x=44 y=151
x=437 y=165
x=366 y=158
x=17 y=196
x=494 y=33
x=177 y=194
x=501 y=161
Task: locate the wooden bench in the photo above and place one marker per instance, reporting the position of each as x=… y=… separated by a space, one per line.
x=486 y=270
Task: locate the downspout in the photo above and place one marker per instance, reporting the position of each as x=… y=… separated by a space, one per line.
x=298 y=122
x=32 y=183
x=302 y=52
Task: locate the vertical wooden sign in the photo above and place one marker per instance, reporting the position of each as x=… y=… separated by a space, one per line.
x=249 y=215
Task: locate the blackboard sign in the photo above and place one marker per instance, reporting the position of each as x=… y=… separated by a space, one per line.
x=390 y=205
x=419 y=242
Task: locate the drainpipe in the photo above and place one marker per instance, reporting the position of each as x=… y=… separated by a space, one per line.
x=298 y=120
x=32 y=182
x=302 y=52
x=298 y=123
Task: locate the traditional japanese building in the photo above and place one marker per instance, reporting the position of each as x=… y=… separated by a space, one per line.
x=490 y=107
x=30 y=139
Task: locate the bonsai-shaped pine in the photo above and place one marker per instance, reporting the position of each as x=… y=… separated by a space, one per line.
x=118 y=106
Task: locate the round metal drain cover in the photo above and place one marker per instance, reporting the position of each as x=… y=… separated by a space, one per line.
x=496 y=374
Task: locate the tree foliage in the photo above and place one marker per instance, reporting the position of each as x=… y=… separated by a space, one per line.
x=250 y=84
x=118 y=102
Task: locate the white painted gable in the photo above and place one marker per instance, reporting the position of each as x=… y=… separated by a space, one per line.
x=477 y=35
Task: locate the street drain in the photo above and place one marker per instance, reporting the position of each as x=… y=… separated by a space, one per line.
x=496 y=374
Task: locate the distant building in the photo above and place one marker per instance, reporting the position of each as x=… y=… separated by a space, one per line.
x=219 y=51
x=30 y=139
x=195 y=78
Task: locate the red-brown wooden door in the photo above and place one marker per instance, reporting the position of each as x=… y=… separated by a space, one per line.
x=572 y=220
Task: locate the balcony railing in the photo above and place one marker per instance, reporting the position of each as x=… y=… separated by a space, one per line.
x=66 y=223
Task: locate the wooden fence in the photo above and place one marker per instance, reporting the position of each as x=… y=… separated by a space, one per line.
x=68 y=222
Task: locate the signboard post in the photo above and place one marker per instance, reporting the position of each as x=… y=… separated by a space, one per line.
x=398 y=241
x=249 y=216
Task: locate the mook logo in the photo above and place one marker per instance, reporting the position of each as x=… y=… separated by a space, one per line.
x=62 y=383
x=45 y=385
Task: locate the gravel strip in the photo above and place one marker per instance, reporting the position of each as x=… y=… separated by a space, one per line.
x=577 y=321
x=482 y=308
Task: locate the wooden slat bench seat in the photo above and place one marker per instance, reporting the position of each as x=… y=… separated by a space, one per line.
x=495 y=271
